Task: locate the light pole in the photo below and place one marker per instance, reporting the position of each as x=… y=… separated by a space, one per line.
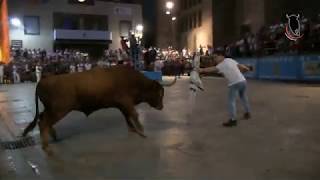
x=169 y=9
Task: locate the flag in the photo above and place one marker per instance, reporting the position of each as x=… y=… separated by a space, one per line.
x=4 y=33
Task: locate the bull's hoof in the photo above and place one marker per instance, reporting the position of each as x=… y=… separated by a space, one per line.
x=131 y=130
x=56 y=140
x=141 y=134
x=48 y=151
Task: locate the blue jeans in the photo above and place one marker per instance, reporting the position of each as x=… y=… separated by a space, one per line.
x=241 y=89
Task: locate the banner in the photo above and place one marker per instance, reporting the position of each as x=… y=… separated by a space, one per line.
x=4 y=33
x=312 y=68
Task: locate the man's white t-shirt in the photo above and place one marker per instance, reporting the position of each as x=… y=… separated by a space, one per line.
x=38 y=69
x=229 y=68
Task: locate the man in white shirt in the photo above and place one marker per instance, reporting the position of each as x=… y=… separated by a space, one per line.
x=38 y=72
x=87 y=66
x=16 y=75
x=237 y=83
x=72 y=68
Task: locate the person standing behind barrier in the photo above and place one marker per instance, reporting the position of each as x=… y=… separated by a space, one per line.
x=237 y=84
x=80 y=67
x=87 y=66
x=133 y=51
x=38 y=72
x=16 y=76
x=119 y=56
x=124 y=45
x=1 y=72
x=72 y=68
x=158 y=65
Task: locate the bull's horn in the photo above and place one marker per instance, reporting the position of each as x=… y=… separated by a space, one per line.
x=170 y=83
x=287 y=15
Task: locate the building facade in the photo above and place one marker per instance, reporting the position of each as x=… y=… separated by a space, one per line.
x=217 y=22
x=220 y=22
x=194 y=24
x=53 y=24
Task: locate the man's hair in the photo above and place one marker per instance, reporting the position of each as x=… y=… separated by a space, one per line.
x=219 y=52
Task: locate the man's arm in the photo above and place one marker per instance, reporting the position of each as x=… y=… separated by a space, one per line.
x=244 y=68
x=212 y=69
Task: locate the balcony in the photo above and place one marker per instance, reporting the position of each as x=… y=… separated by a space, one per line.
x=64 y=34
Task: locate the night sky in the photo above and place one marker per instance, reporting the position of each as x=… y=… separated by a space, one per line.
x=149 y=18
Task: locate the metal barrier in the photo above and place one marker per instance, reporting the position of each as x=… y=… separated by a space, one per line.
x=153 y=75
x=301 y=68
x=295 y=68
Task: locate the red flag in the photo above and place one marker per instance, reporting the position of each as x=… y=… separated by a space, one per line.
x=4 y=33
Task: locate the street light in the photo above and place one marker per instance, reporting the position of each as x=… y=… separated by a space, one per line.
x=169 y=5
x=139 y=28
x=15 y=22
x=81 y=1
x=174 y=18
x=168 y=12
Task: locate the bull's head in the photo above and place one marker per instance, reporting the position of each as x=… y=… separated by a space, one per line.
x=155 y=93
x=154 y=96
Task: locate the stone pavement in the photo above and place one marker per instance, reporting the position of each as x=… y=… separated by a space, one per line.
x=280 y=142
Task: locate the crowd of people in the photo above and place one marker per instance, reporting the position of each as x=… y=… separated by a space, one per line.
x=32 y=64
x=272 y=40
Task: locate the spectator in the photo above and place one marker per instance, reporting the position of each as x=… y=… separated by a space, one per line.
x=1 y=72
x=87 y=66
x=72 y=68
x=16 y=75
x=80 y=67
x=158 y=65
x=124 y=45
x=38 y=72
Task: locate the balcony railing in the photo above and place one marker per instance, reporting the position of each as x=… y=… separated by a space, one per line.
x=64 y=34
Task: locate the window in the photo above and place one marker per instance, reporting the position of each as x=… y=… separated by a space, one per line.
x=199 y=18
x=190 y=22
x=125 y=28
x=195 y=23
x=31 y=25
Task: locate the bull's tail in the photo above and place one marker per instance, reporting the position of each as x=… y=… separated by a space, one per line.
x=33 y=124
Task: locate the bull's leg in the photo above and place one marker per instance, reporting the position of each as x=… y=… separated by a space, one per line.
x=53 y=134
x=46 y=122
x=44 y=133
x=132 y=119
x=127 y=117
x=135 y=117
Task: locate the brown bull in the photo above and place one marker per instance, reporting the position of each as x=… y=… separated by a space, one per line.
x=118 y=87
